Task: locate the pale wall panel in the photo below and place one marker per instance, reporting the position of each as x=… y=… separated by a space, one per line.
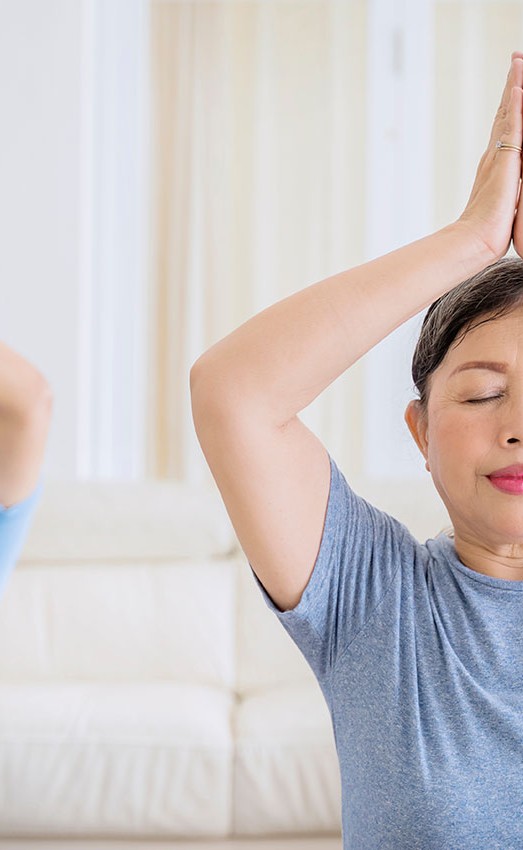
x=40 y=93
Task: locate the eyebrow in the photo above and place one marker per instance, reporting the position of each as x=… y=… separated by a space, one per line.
x=491 y=365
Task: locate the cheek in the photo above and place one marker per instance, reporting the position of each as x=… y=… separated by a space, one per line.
x=457 y=432
x=459 y=441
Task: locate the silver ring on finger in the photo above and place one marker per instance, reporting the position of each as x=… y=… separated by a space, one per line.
x=500 y=144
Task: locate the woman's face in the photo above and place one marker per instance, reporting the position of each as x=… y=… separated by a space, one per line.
x=474 y=427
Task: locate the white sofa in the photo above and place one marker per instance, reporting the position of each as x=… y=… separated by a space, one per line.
x=146 y=690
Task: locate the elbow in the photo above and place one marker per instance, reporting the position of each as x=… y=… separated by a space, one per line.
x=199 y=380
x=209 y=393
x=44 y=396
x=194 y=381
x=38 y=398
x=193 y=376
x=47 y=400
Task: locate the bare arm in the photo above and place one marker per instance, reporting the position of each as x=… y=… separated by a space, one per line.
x=280 y=360
x=25 y=415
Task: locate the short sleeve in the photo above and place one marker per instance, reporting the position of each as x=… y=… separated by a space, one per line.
x=361 y=551
x=14 y=526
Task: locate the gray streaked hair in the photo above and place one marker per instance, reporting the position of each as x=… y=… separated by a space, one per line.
x=491 y=293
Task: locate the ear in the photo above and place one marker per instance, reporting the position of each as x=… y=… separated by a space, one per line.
x=418 y=427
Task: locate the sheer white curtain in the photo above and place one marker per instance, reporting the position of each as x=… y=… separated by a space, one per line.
x=258 y=126
x=473 y=42
x=273 y=125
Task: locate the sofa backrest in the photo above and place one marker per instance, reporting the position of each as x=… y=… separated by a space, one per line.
x=146 y=581
x=123 y=580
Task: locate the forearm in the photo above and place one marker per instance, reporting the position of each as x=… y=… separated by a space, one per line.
x=23 y=388
x=281 y=359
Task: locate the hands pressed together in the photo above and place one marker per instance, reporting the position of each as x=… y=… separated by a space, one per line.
x=492 y=211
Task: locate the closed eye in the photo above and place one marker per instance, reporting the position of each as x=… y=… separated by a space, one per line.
x=482 y=400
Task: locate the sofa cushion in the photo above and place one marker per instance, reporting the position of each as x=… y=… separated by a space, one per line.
x=287 y=774
x=119 y=622
x=135 y=759
x=267 y=655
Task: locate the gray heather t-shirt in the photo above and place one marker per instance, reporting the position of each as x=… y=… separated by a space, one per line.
x=420 y=660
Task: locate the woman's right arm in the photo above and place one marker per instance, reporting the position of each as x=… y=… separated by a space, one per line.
x=247 y=389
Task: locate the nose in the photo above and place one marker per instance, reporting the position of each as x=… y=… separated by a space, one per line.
x=511 y=430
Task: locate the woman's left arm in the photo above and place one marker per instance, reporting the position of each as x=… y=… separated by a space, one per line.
x=26 y=402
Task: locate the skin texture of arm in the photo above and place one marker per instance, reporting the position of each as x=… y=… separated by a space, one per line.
x=281 y=359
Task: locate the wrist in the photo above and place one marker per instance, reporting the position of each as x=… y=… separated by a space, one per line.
x=475 y=254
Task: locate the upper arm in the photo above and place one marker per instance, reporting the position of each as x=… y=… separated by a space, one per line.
x=23 y=438
x=275 y=486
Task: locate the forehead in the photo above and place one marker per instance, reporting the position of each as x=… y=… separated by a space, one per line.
x=492 y=339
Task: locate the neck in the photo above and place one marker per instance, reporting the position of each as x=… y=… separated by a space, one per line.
x=505 y=561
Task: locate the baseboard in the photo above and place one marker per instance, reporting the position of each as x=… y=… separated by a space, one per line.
x=309 y=843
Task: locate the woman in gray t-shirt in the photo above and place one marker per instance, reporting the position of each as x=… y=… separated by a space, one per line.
x=418 y=648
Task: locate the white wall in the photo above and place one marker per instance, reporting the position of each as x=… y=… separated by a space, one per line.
x=40 y=80
x=73 y=213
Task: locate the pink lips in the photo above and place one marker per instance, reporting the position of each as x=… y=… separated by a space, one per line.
x=509 y=479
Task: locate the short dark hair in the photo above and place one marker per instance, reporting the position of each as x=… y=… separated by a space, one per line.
x=491 y=293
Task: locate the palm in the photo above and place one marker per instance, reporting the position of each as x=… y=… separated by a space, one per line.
x=517 y=230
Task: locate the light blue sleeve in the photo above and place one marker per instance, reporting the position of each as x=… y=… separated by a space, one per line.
x=361 y=551
x=14 y=526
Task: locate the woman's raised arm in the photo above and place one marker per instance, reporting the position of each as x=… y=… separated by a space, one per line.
x=248 y=388
x=287 y=354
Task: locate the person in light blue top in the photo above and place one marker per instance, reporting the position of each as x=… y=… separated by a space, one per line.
x=14 y=526
x=25 y=416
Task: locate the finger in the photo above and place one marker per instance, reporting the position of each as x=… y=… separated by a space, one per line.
x=517 y=69
x=514 y=78
x=510 y=130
